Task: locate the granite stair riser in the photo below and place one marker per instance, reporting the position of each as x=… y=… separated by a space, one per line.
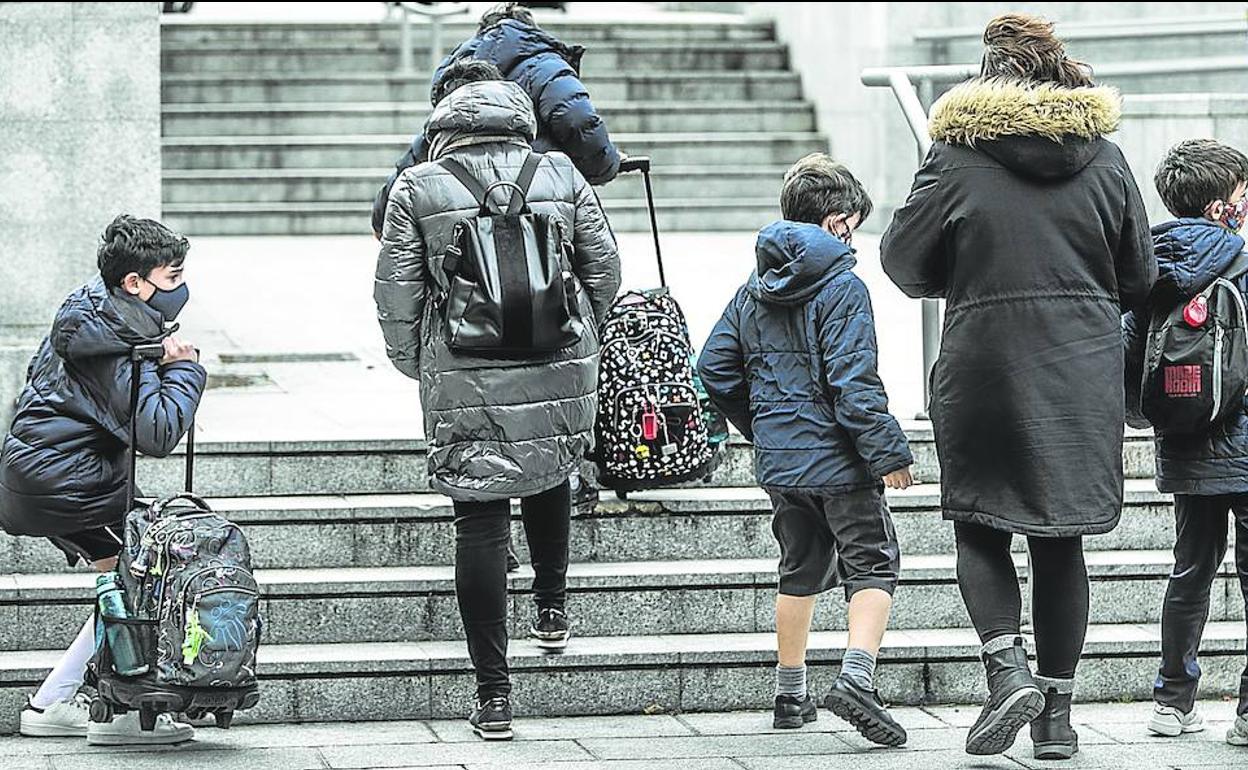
x=415 y=89
x=366 y=58
x=387 y=33
x=49 y=619
x=788 y=117
x=401 y=538
x=1228 y=38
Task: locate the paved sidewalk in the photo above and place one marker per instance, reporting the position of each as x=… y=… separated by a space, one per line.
x=1111 y=735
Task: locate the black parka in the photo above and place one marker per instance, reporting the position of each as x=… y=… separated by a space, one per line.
x=1029 y=223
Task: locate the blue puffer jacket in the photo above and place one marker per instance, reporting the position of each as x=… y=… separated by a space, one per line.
x=1191 y=253
x=63 y=467
x=548 y=70
x=792 y=364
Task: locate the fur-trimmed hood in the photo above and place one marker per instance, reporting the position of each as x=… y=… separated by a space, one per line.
x=1039 y=130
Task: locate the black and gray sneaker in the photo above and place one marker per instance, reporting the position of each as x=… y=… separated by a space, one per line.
x=491 y=719
x=513 y=564
x=551 y=629
x=865 y=711
x=792 y=713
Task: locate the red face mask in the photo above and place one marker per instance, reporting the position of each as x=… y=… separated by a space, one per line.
x=1234 y=214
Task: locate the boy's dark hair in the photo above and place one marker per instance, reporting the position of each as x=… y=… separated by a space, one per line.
x=133 y=245
x=1198 y=172
x=503 y=11
x=461 y=73
x=817 y=186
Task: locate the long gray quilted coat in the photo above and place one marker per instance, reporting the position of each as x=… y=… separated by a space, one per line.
x=496 y=428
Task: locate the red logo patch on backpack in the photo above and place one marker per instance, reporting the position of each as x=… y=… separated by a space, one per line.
x=1182 y=381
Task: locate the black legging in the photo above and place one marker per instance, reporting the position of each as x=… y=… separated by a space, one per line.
x=1059 y=593
x=482 y=535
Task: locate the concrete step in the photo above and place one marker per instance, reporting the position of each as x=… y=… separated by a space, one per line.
x=291 y=468
x=413 y=604
x=353 y=187
x=651 y=674
x=331 y=87
x=1103 y=42
x=732 y=214
x=333 y=56
x=234 y=152
x=389 y=118
x=406 y=530
x=348 y=33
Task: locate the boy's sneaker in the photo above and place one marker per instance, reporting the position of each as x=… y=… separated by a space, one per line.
x=551 y=629
x=792 y=713
x=63 y=719
x=865 y=711
x=1170 y=722
x=491 y=720
x=513 y=564
x=125 y=730
x=1237 y=735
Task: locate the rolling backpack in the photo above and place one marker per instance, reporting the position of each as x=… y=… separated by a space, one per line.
x=655 y=426
x=187 y=623
x=510 y=289
x=1196 y=358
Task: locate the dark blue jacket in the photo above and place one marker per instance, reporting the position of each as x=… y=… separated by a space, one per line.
x=64 y=462
x=1191 y=253
x=792 y=364
x=548 y=70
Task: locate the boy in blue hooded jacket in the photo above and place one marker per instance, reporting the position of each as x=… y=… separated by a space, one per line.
x=792 y=364
x=1205 y=185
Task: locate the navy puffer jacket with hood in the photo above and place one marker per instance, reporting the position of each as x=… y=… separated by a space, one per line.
x=64 y=462
x=1191 y=253
x=793 y=365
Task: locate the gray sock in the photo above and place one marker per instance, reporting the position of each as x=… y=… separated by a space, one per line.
x=791 y=681
x=858 y=666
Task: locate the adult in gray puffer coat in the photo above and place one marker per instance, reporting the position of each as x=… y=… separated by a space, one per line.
x=496 y=428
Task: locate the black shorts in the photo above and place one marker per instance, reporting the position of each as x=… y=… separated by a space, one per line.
x=91 y=545
x=828 y=539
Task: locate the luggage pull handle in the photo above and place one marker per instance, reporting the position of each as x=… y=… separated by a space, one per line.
x=642 y=163
x=139 y=354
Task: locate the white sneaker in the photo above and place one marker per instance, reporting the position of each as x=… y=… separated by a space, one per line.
x=125 y=730
x=64 y=719
x=1237 y=735
x=1170 y=722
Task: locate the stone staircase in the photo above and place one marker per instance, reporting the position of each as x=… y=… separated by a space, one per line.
x=671 y=593
x=291 y=128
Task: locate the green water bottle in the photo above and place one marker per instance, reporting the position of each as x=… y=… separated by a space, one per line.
x=123 y=640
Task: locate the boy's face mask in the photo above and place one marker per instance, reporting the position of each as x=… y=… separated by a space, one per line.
x=1234 y=214
x=169 y=302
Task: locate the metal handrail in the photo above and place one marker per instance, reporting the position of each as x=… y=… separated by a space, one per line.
x=436 y=13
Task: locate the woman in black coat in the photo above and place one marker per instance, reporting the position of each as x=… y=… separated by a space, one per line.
x=1029 y=223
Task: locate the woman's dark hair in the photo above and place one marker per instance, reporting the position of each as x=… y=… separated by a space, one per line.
x=503 y=11
x=817 y=186
x=1198 y=172
x=1023 y=47
x=133 y=245
x=461 y=73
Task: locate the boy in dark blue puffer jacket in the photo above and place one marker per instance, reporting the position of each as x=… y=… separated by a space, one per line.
x=792 y=364
x=1204 y=184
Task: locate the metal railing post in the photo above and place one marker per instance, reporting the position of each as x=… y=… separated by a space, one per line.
x=437 y=13
x=407 y=65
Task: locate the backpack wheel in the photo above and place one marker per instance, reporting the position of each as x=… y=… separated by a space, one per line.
x=224 y=718
x=147 y=718
x=100 y=711
x=621 y=494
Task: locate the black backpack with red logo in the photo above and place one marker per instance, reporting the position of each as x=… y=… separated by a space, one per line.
x=1196 y=358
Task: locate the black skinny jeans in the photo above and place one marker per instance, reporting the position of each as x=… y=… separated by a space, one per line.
x=1059 y=593
x=1199 y=547
x=482 y=535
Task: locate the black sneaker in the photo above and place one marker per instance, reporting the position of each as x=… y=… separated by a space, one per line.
x=551 y=629
x=792 y=713
x=865 y=711
x=513 y=564
x=492 y=719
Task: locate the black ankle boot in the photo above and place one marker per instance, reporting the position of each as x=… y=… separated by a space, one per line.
x=1013 y=698
x=1051 y=731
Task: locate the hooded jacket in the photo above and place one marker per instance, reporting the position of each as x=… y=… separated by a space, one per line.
x=548 y=71
x=1191 y=253
x=792 y=363
x=64 y=463
x=496 y=428
x=1028 y=222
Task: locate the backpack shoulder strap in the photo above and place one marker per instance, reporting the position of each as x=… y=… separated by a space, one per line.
x=1238 y=267
x=465 y=178
x=524 y=182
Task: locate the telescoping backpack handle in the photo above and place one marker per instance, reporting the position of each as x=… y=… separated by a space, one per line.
x=642 y=163
x=139 y=354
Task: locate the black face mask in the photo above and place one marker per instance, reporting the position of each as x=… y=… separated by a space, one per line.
x=169 y=302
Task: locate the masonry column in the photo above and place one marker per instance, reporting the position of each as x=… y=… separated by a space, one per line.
x=79 y=144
